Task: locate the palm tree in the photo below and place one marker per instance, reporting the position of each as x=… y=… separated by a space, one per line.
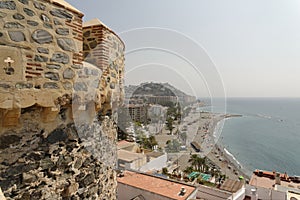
x=195 y=161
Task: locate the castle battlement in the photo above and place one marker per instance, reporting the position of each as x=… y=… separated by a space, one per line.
x=42 y=48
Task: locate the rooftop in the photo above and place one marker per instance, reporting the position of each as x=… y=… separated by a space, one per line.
x=154 y=154
x=266 y=179
x=232 y=185
x=156 y=185
x=123 y=144
x=129 y=156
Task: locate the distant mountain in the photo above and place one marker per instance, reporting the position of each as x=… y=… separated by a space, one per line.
x=155 y=89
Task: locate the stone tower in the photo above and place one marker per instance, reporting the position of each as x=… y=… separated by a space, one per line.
x=61 y=82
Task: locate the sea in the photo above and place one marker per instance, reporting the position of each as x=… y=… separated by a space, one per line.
x=266 y=137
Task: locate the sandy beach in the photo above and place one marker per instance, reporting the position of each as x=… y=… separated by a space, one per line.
x=218 y=155
x=205 y=124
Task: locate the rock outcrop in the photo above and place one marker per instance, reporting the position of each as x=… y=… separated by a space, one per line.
x=61 y=82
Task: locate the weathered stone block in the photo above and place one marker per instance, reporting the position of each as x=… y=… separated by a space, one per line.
x=18 y=16
x=10 y=5
x=45 y=18
x=42 y=36
x=53 y=66
x=68 y=74
x=28 y=178
x=39 y=6
x=16 y=36
x=113 y=75
x=62 y=31
x=50 y=85
x=85 y=47
x=13 y=25
x=29 y=12
x=5 y=86
x=32 y=23
x=89 y=179
x=52 y=76
x=61 y=14
x=46 y=163
x=87 y=34
x=47 y=25
x=7 y=140
x=40 y=58
x=90 y=72
x=93 y=44
x=24 y=85
x=23 y=1
x=77 y=66
x=112 y=85
x=70 y=190
x=43 y=50
x=67 y=85
x=60 y=57
x=58 y=135
x=66 y=44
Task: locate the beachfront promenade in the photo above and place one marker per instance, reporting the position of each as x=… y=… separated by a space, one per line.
x=200 y=127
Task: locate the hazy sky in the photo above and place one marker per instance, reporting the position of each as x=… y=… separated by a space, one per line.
x=255 y=44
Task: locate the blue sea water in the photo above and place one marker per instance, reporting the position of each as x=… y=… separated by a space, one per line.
x=267 y=137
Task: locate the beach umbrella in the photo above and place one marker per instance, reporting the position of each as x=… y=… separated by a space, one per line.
x=241 y=177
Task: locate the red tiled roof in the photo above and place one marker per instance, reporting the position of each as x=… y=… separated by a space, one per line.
x=156 y=185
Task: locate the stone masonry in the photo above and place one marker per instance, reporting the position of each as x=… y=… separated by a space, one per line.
x=61 y=82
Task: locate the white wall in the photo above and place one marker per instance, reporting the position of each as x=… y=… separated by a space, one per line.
x=239 y=195
x=265 y=193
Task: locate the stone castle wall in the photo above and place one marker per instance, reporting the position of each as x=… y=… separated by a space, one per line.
x=60 y=85
x=104 y=49
x=43 y=40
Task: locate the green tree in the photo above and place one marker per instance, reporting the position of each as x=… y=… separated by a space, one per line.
x=172 y=146
x=199 y=164
x=165 y=171
x=149 y=143
x=169 y=124
x=188 y=170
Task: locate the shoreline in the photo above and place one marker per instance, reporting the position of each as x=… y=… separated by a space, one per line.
x=230 y=164
x=219 y=155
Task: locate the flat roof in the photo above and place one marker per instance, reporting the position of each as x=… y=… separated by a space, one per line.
x=156 y=185
x=154 y=154
x=129 y=156
x=264 y=180
x=125 y=144
x=232 y=185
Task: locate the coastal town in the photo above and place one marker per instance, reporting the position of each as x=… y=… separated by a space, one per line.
x=70 y=129
x=188 y=153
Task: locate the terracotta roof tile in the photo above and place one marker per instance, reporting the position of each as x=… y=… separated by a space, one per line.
x=156 y=185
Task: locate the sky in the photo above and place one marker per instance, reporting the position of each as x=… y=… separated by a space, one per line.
x=208 y=47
